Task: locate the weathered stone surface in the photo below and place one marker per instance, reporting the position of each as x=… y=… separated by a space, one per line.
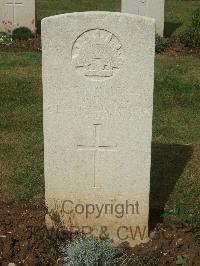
x=17 y=13
x=148 y=8
x=98 y=72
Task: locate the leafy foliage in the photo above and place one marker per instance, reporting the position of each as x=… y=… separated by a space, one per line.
x=90 y=251
x=191 y=37
x=5 y=39
x=161 y=44
x=191 y=221
x=22 y=33
x=181 y=260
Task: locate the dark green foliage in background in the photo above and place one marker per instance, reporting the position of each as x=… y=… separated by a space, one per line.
x=22 y=33
x=161 y=44
x=191 y=37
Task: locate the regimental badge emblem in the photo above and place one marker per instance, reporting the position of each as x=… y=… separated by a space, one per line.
x=97 y=54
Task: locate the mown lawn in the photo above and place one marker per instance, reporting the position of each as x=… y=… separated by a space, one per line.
x=176 y=101
x=177 y=12
x=21 y=140
x=176 y=134
x=176 y=130
x=178 y=15
x=47 y=8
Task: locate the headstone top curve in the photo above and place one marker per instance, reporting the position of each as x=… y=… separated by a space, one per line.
x=98 y=13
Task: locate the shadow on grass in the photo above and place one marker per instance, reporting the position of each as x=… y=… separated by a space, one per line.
x=167 y=165
x=38 y=27
x=170 y=28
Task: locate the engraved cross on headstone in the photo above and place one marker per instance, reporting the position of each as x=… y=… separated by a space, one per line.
x=141 y=7
x=96 y=147
x=14 y=4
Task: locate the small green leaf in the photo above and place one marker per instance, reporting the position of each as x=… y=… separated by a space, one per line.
x=181 y=260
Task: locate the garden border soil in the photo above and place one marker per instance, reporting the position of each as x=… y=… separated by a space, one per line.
x=31 y=45
x=174 y=47
x=24 y=240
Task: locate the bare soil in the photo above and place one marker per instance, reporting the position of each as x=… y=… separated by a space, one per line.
x=31 y=45
x=25 y=240
x=167 y=242
x=176 y=48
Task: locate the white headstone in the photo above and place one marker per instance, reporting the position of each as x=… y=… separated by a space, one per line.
x=17 y=13
x=149 y=8
x=98 y=75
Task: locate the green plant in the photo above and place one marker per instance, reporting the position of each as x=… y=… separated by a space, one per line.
x=161 y=44
x=90 y=251
x=177 y=211
x=191 y=221
x=181 y=260
x=5 y=39
x=191 y=37
x=22 y=33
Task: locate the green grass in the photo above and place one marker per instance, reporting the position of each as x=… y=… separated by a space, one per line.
x=176 y=134
x=177 y=83
x=47 y=8
x=178 y=15
x=177 y=12
x=21 y=141
x=176 y=130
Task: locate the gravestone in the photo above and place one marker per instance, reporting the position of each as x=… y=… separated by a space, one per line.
x=148 y=8
x=17 y=13
x=98 y=78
